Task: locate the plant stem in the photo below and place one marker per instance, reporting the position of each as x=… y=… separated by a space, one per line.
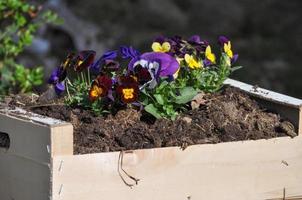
x=82 y=77
x=67 y=90
x=88 y=75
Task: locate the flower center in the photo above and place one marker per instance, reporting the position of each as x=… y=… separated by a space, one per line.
x=128 y=93
x=96 y=91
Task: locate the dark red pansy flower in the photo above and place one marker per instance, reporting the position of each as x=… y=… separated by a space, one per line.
x=68 y=62
x=100 y=87
x=142 y=74
x=111 y=65
x=83 y=60
x=127 y=89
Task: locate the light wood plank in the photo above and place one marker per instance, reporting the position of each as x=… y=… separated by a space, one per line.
x=25 y=172
x=300 y=121
x=62 y=140
x=265 y=94
x=236 y=170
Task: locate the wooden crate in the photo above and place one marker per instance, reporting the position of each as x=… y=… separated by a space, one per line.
x=40 y=165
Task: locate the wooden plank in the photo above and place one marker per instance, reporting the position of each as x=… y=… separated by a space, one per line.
x=285 y=106
x=23 y=179
x=27 y=139
x=29 y=116
x=62 y=140
x=237 y=170
x=36 y=137
x=300 y=121
x=25 y=172
x=265 y=94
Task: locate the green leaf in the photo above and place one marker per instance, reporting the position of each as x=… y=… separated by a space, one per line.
x=159 y=98
x=235 y=68
x=186 y=95
x=153 y=111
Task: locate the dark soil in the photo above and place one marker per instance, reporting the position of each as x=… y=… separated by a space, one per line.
x=229 y=115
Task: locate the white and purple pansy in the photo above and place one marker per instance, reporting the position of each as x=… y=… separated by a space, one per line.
x=157 y=64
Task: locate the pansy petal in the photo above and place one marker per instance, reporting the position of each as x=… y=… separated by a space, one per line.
x=195 y=39
x=160 y=39
x=128 y=52
x=60 y=87
x=168 y=64
x=222 y=40
x=206 y=62
x=156 y=46
x=84 y=60
x=234 y=58
x=54 y=76
x=109 y=55
x=166 y=46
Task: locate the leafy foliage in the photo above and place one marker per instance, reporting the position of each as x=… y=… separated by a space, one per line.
x=19 y=22
x=167 y=99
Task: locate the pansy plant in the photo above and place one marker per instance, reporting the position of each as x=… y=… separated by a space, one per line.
x=161 y=81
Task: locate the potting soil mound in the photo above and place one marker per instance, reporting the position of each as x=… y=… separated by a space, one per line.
x=229 y=115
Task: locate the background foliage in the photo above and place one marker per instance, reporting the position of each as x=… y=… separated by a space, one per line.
x=19 y=21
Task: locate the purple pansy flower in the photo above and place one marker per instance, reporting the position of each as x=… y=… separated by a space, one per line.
x=195 y=39
x=234 y=58
x=60 y=87
x=109 y=55
x=168 y=64
x=197 y=43
x=57 y=78
x=222 y=40
x=158 y=65
x=128 y=52
x=206 y=62
x=160 y=39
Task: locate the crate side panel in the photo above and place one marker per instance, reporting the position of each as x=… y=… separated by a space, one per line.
x=265 y=94
x=62 y=140
x=23 y=179
x=300 y=122
x=286 y=112
x=27 y=139
x=237 y=170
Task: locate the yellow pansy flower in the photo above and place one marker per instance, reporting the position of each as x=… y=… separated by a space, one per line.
x=209 y=55
x=164 y=47
x=228 y=49
x=192 y=62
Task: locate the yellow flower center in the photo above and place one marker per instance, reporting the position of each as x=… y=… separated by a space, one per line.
x=192 y=62
x=228 y=49
x=96 y=91
x=80 y=62
x=209 y=55
x=157 y=47
x=128 y=93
